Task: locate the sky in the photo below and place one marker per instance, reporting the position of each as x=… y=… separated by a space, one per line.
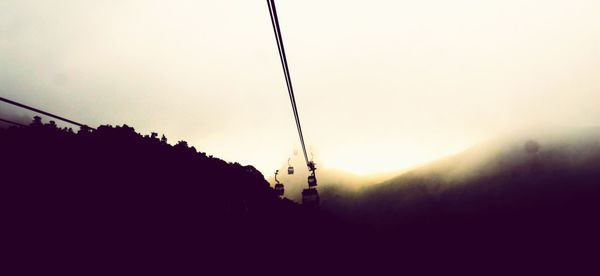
x=380 y=86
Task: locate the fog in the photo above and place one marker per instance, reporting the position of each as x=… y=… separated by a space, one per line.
x=16 y=115
x=380 y=86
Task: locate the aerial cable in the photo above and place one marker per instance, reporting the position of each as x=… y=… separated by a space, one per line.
x=42 y=112
x=310 y=196
x=283 y=57
x=11 y=122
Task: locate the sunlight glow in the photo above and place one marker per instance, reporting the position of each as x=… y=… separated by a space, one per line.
x=379 y=87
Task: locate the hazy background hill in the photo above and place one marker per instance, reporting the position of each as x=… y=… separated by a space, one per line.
x=498 y=180
x=332 y=182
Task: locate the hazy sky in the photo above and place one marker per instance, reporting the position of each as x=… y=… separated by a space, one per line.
x=380 y=85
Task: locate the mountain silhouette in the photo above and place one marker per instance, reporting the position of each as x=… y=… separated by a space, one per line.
x=537 y=190
x=111 y=196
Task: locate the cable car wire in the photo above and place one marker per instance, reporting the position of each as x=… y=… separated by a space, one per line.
x=11 y=122
x=286 y=72
x=283 y=57
x=43 y=112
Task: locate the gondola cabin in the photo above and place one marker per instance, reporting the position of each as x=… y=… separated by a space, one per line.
x=310 y=197
x=290 y=170
x=312 y=181
x=279 y=189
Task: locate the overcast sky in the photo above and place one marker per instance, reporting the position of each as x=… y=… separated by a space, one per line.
x=380 y=85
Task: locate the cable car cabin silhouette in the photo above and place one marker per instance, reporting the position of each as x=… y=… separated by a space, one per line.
x=290 y=168
x=279 y=189
x=310 y=197
x=312 y=181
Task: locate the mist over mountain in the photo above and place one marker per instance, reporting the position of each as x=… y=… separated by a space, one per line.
x=550 y=177
x=536 y=190
x=332 y=182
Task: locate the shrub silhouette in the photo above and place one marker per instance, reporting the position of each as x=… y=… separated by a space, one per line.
x=112 y=192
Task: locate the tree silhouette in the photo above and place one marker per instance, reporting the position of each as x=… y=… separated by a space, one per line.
x=37 y=121
x=126 y=189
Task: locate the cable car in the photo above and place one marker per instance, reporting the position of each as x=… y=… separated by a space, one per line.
x=279 y=189
x=290 y=168
x=310 y=197
x=312 y=181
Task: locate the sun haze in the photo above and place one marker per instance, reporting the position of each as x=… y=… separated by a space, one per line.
x=380 y=86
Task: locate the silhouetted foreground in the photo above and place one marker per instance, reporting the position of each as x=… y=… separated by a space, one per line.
x=114 y=200
x=114 y=197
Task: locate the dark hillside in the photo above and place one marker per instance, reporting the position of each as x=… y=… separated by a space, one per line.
x=541 y=194
x=113 y=194
x=106 y=199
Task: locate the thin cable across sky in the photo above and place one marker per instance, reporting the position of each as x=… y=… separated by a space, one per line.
x=286 y=72
x=11 y=122
x=42 y=112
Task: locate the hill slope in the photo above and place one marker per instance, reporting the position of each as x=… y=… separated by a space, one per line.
x=112 y=195
x=501 y=189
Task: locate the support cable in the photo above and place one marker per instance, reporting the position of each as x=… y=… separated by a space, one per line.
x=284 y=64
x=43 y=112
